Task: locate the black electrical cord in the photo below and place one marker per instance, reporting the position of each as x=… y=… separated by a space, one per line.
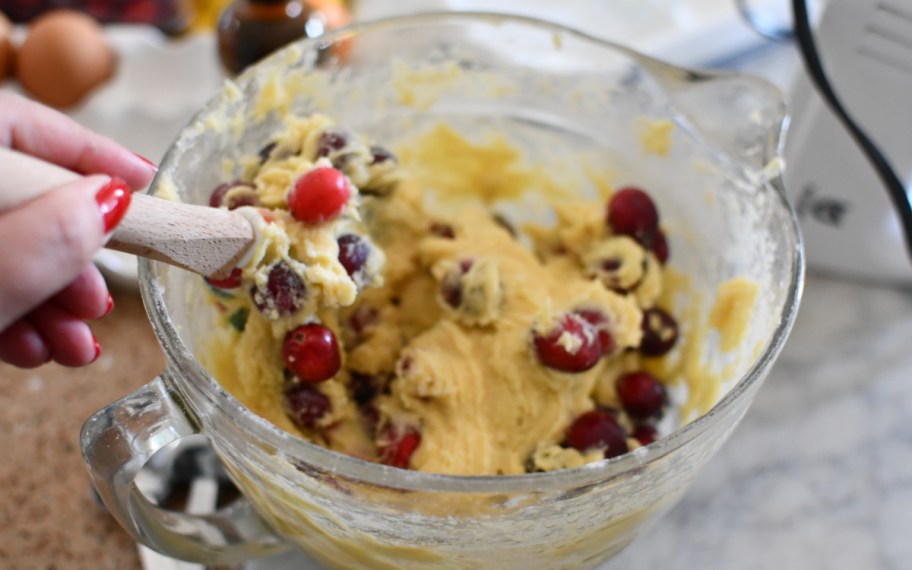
x=885 y=172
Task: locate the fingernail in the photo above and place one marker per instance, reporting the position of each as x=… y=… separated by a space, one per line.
x=110 y=306
x=147 y=161
x=113 y=200
x=97 y=349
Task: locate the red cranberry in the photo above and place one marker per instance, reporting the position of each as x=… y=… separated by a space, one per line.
x=397 y=444
x=319 y=196
x=331 y=141
x=612 y=273
x=380 y=155
x=597 y=430
x=612 y=264
x=660 y=332
x=404 y=366
x=365 y=387
x=642 y=396
x=353 y=252
x=233 y=281
x=283 y=293
x=245 y=198
x=553 y=354
x=600 y=322
x=312 y=353
x=442 y=230
x=645 y=434
x=218 y=195
x=305 y=404
x=244 y=195
x=451 y=285
x=631 y=212
x=659 y=246
x=361 y=319
x=370 y=418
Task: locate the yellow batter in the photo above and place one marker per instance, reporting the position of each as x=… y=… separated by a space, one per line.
x=466 y=378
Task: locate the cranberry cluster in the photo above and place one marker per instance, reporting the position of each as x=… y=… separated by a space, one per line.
x=339 y=146
x=578 y=339
x=396 y=442
x=573 y=342
x=311 y=352
x=311 y=355
x=643 y=399
x=631 y=212
x=349 y=154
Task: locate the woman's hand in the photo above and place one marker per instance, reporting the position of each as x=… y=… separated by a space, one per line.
x=48 y=284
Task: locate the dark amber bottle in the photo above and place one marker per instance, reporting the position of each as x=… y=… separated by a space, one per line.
x=249 y=30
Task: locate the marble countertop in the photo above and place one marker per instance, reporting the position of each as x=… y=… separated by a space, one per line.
x=819 y=473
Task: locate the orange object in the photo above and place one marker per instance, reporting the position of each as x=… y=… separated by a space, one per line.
x=337 y=15
x=64 y=57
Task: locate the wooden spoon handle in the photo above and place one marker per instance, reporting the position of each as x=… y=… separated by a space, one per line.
x=208 y=241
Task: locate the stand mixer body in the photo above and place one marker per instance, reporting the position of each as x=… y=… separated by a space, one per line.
x=849 y=225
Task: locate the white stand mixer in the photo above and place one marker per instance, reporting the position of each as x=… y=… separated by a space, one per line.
x=850 y=225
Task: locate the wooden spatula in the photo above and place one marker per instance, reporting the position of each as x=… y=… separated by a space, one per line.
x=208 y=241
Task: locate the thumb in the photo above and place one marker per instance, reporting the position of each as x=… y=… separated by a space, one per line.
x=48 y=241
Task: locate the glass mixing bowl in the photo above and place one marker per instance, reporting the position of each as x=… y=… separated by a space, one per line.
x=558 y=95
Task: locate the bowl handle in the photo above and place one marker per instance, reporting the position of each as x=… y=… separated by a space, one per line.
x=119 y=439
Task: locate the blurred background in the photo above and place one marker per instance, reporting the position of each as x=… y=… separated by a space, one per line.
x=171 y=55
x=138 y=70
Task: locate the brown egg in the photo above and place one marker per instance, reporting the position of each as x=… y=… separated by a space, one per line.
x=6 y=47
x=64 y=57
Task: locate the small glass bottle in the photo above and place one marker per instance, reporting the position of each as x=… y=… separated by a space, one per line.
x=249 y=30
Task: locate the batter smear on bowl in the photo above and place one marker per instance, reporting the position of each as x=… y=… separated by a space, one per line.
x=451 y=344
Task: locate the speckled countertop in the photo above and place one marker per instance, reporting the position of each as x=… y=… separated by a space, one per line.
x=48 y=518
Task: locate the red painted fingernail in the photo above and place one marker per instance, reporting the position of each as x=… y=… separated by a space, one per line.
x=147 y=161
x=113 y=200
x=110 y=306
x=97 y=349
